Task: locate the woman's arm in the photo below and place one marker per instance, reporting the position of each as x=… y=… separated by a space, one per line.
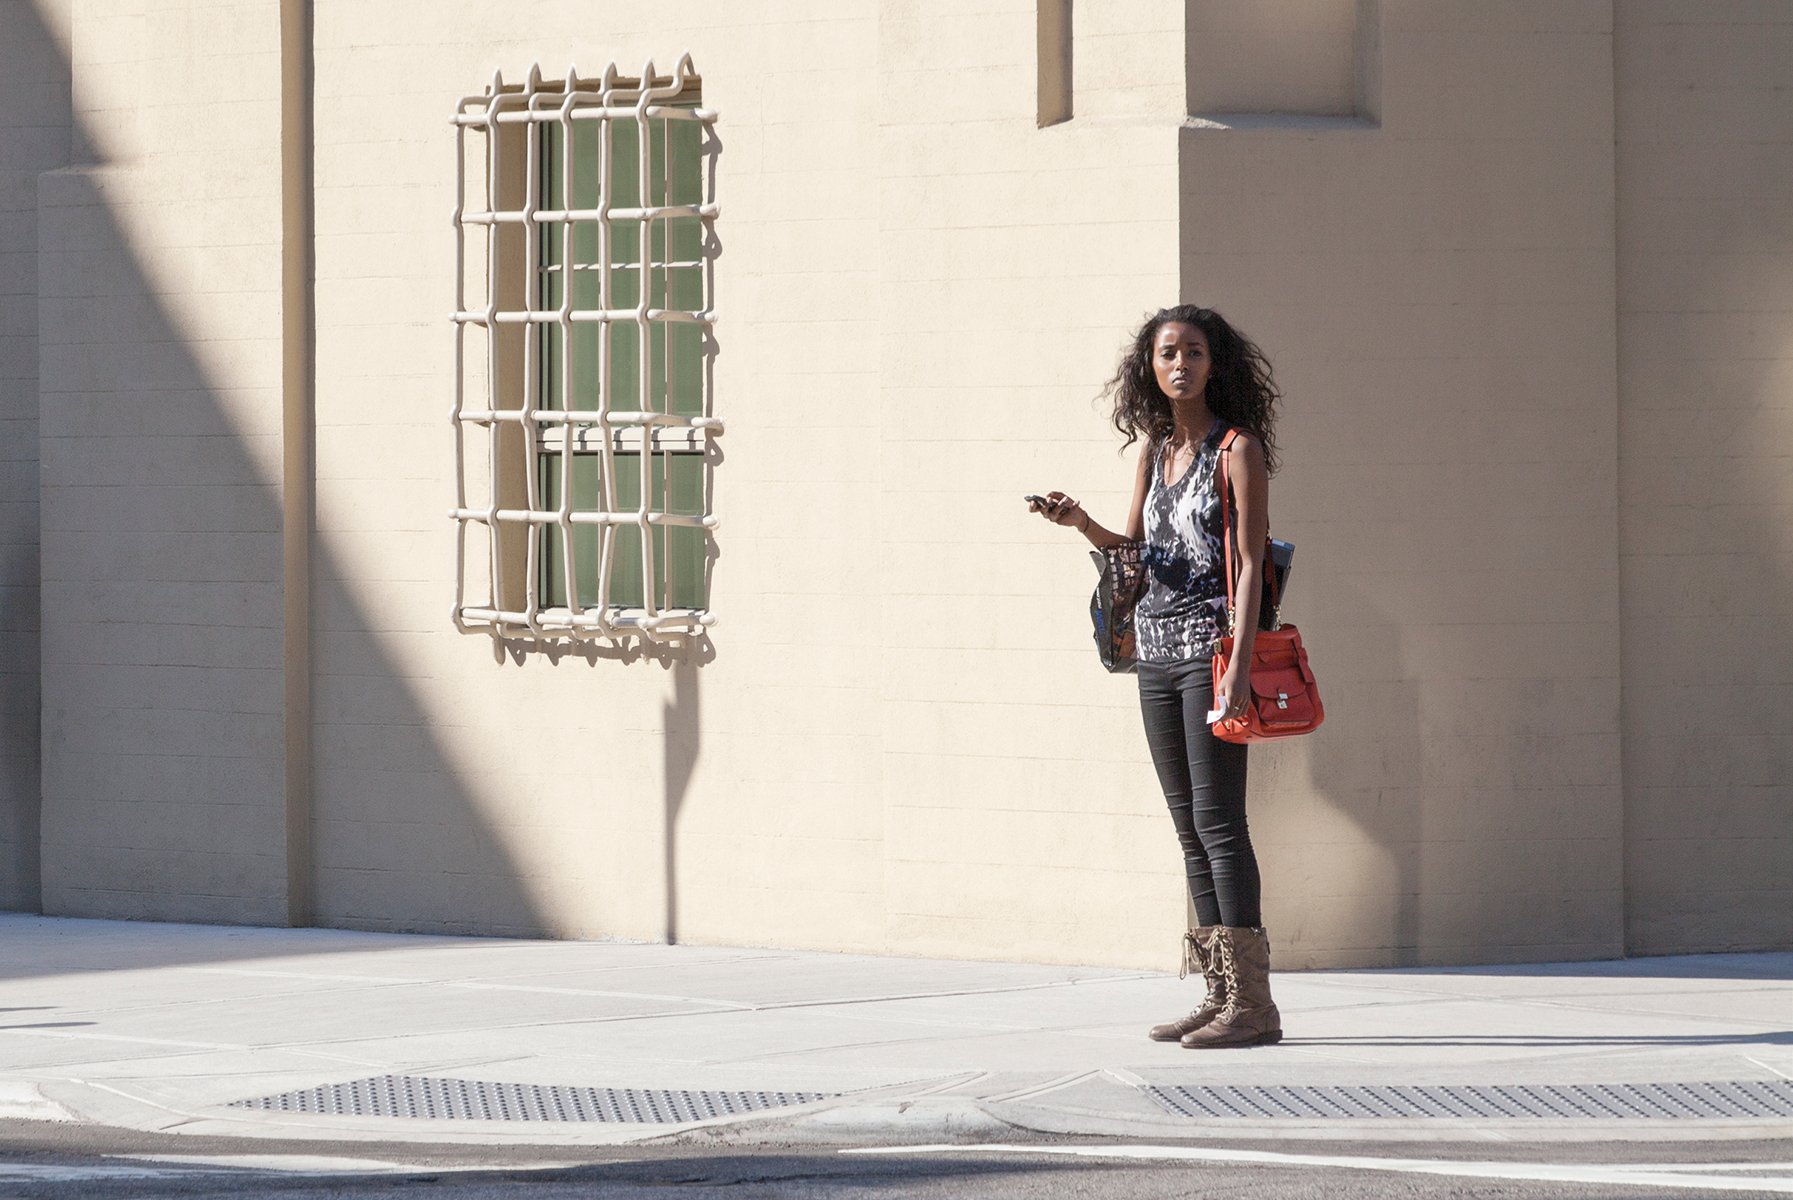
x=1060 y=509
x=1250 y=481
x=1142 y=483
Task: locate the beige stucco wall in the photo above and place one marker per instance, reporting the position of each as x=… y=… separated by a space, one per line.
x=898 y=739
x=869 y=761
x=1436 y=290
x=159 y=349
x=1705 y=280
x=34 y=138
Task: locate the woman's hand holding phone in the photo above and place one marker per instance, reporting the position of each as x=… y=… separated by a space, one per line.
x=1057 y=507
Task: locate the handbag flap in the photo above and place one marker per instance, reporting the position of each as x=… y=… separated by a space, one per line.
x=1282 y=698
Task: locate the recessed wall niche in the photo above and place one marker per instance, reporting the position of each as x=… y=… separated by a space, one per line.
x=1317 y=57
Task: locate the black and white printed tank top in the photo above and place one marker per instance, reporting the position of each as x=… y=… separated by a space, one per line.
x=1183 y=609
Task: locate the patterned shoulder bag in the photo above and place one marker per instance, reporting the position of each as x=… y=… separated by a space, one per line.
x=1111 y=606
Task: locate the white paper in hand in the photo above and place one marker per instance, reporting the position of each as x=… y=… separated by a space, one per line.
x=1219 y=710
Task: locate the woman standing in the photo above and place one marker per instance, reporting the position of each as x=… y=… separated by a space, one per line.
x=1188 y=381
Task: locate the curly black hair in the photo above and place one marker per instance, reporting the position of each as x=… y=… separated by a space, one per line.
x=1241 y=390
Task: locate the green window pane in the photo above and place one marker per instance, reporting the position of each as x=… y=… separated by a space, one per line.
x=670 y=363
x=571 y=258
x=683 y=279
x=588 y=496
x=685 y=549
x=685 y=486
x=625 y=367
x=625 y=164
x=684 y=141
x=550 y=372
x=678 y=552
x=588 y=142
x=551 y=268
x=673 y=357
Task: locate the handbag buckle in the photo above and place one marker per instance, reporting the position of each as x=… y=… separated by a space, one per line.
x=1282 y=699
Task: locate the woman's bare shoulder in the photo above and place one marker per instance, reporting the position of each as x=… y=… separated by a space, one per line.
x=1245 y=444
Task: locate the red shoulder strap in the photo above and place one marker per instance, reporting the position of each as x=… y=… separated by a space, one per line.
x=1226 y=514
x=1229 y=534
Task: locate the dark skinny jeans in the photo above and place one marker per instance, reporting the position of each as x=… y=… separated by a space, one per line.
x=1204 y=784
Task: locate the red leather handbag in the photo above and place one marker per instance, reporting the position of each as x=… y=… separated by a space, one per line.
x=1285 y=699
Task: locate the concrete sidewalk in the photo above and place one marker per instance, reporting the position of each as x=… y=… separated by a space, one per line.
x=175 y=1027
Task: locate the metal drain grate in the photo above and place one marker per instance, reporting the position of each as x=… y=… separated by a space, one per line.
x=475 y=1100
x=1595 y=1101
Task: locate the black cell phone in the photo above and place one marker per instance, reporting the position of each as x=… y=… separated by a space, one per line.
x=1036 y=500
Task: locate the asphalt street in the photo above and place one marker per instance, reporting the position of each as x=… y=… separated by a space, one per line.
x=52 y=1161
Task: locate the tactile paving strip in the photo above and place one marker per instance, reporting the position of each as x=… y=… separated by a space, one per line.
x=1600 y=1102
x=475 y=1100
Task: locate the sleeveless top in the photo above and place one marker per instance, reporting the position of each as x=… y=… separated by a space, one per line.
x=1183 y=608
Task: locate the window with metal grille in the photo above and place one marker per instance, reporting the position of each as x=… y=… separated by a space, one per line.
x=583 y=411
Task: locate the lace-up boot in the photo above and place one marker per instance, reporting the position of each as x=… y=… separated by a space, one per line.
x=1249 y=1016
x=1196 y=957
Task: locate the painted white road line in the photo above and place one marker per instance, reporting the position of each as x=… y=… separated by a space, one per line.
x=197 y=1166
x=1711 y=1177
x=1766 y=1067
x=56 y=1173
x=295 y=1164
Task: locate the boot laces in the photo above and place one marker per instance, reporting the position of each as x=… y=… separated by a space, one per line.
x=1191 y=955
x=1222 y=948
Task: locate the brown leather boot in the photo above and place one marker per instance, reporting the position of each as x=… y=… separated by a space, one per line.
x=1249 y=1017
x=1196 y=957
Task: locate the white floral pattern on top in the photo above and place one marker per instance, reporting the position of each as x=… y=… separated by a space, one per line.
x=1183 y=609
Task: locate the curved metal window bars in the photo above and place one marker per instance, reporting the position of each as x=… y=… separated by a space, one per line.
x=583 y=410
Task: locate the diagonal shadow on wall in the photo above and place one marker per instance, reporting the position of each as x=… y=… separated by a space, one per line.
x=34 y=97
x=162 y=713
